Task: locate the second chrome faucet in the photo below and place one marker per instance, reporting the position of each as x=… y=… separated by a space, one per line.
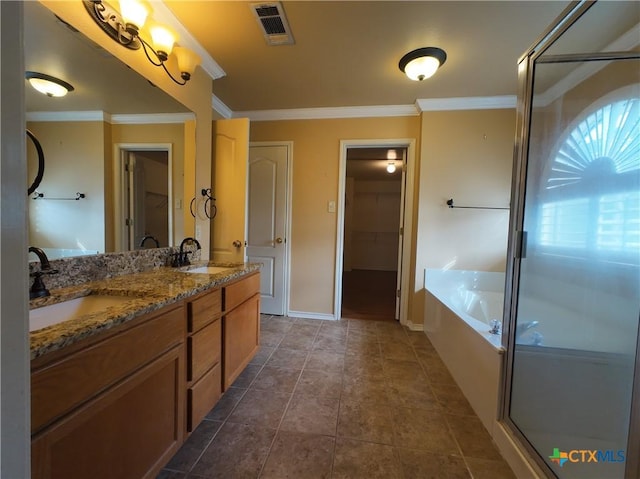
x=181 y=258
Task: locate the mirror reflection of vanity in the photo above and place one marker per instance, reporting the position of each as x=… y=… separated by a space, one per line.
x=112 y=116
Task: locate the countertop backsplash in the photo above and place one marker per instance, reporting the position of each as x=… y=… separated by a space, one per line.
x=81 y=269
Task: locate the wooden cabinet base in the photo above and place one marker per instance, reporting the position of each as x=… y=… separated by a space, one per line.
x=130 y=431
x=241 y=338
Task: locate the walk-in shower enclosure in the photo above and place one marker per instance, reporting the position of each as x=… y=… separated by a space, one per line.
x=572 y=301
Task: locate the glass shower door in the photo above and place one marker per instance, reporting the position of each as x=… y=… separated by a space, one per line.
x=574 y=339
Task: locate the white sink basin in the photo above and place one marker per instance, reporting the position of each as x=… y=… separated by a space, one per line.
x=57 y=313
x=208 y=269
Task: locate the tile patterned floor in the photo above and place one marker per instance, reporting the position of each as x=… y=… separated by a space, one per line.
x=343 y=400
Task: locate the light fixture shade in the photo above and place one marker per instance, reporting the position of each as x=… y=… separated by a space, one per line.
x=134 y=12
x=162 y=38
x=187 y=61
x=48 y=85
x=422 y=63
x=391 y=167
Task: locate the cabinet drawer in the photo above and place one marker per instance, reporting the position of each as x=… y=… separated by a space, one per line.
x=204 y=309
x=203 y=395
x=204 y=349
x=237 y=293
x=58 y=387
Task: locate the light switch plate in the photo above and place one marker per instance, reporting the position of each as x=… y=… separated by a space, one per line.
x=331 y=206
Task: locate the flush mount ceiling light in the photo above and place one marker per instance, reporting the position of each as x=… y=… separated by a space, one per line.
x=422 y=63
x=391 y=167
x=48 y=85
x=125 y=27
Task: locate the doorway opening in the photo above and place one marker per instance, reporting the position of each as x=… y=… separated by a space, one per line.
x=143 y=193
x=373 y=230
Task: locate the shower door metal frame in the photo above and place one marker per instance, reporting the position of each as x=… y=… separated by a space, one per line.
x=526 y=70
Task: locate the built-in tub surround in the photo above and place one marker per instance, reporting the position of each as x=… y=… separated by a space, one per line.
x=149 y=291
x=459 y=306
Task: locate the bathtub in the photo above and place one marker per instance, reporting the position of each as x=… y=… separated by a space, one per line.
x=459 y=306
x=475 y=297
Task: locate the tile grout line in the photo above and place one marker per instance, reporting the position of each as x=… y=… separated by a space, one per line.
x=286 y=408
x=232 y=410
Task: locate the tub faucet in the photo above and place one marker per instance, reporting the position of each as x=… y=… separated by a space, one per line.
x=496 y=326
x=38 y=289
x=181 y=258
x=146 y=237
x=521 y=328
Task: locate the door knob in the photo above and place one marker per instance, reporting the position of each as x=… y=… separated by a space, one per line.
x=237 y=243
x=279 y=240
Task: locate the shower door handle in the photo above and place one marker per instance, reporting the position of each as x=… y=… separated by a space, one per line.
x=521 y=245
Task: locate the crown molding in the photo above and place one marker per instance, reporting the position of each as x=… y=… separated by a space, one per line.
x=219 y=106
x=163 y=14
x=328 y=113
x=466 y=103
x=68 y=116
x=125 y=119
x=151 y=118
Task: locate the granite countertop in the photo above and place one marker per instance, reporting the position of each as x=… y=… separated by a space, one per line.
x=149 y=291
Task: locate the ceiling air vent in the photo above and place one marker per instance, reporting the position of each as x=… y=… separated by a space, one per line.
x=273 y=23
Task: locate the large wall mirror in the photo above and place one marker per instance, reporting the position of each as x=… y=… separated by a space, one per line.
x=114 y=148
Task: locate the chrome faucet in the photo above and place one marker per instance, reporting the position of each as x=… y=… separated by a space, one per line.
x=181 y=258
x=146 y=237
x=521 y=328
x=38 y=289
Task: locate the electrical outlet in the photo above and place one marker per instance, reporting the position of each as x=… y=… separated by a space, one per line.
x=178 y=203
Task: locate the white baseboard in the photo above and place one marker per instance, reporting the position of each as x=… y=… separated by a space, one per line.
x=414 y=327
x=305 y=315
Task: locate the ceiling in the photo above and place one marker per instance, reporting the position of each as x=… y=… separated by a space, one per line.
x=347 y=53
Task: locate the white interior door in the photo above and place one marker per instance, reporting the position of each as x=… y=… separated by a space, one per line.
x=267 y=222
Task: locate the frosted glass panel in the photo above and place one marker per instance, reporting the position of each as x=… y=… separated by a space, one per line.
x=579 y=283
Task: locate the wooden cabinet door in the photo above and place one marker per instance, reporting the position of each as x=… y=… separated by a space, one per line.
x=129 y=431
x=241 y=331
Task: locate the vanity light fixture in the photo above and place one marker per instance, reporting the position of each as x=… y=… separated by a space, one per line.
x=391 y=167
x=125 y=27
x=48 y=85
x=422 y=63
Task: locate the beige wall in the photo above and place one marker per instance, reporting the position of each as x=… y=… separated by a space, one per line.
x=79 y=158
x=74 y=162
x=163 y=133
x=195 y=95
x=467 y=156
x=316 y=155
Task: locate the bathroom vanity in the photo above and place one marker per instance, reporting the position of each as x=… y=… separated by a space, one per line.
x=115 y=393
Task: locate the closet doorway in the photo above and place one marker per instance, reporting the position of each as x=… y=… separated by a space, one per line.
x=374 y=197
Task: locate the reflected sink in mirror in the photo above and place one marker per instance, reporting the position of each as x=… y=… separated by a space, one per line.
x=208 y=269
x=50 y=315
